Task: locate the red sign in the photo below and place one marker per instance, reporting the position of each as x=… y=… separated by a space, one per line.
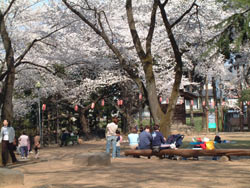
x=92 y=105
x=103 y=102
x=44 y=107
x=76 y=108
x=140 y=96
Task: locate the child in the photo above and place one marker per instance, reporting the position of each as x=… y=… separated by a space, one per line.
x=24 y=142
x=118 y=143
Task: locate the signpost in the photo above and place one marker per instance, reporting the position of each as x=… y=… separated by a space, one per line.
x=211 y=119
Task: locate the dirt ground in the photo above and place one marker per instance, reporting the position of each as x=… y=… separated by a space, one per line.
x=54 y=169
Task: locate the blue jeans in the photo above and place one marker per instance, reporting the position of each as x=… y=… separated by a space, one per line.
x=118 y=149
x=24 y=151
x=111 y=139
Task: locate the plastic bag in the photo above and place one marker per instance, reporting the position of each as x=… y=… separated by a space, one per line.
x=210 y=145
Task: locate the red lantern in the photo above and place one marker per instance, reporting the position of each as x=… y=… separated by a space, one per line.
x=92 y=105
x=160 y=99
x=103 y=102
x=181 y=101
x=167 y=101
x=248 y=103
x=120 y=102
x=44 y=107
x=76 y=108
x=140 y=96
x=203 y=103
x=192 y=102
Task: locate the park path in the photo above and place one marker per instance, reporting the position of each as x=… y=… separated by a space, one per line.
x=54 y=169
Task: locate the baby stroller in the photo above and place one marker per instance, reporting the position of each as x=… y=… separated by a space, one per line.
x=175 y=141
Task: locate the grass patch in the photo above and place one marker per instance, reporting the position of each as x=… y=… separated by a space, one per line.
x=197 y=123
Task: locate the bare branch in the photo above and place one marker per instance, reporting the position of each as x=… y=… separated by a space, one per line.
x=36 y=65
x=20 y=58
x=9 y=7
x=131 y=22
x=151 y=29
x=184 y=14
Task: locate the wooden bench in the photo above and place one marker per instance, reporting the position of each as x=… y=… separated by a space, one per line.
x=190 y=152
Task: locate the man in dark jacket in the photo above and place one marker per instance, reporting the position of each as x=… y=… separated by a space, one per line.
x=157 y=137
x=145 y=139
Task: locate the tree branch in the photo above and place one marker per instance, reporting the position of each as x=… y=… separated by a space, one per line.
x=9 y=7
x=151 y=29
x=131 y=22
x=20 y=58
x=184 y=14
x=36 y=65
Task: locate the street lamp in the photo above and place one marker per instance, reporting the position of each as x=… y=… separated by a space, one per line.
x=38 y=86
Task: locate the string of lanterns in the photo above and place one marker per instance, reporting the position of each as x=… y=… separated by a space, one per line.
x=120 y=102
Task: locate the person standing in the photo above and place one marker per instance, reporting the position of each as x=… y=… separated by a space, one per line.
x=24 y=143
x=37 y=145
x=118 y=143
x=7 y=137
x=111 y=136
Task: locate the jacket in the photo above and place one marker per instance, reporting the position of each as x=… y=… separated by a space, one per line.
x=11 y=133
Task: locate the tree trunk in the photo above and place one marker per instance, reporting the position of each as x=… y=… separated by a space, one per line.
x=7 y=106
x=248 y=116
x=191 y=104
x=203 y=106
x=206 y=103
x=84 y=123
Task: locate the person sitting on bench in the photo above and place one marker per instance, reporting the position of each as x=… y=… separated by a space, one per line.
x=157 y=139
x=145 y=139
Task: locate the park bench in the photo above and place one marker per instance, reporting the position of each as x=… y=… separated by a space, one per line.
x=190 y=152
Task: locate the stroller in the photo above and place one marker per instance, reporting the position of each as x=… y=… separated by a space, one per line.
x=174 y=141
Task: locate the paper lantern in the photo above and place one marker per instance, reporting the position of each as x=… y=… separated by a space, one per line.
x=76 y=108
x=160 y=99
x=140 y=96
x=192 y=102
x=204 y=103
x=103 y=102
x=92 y=105
x=44 y=107
x=120 y=102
